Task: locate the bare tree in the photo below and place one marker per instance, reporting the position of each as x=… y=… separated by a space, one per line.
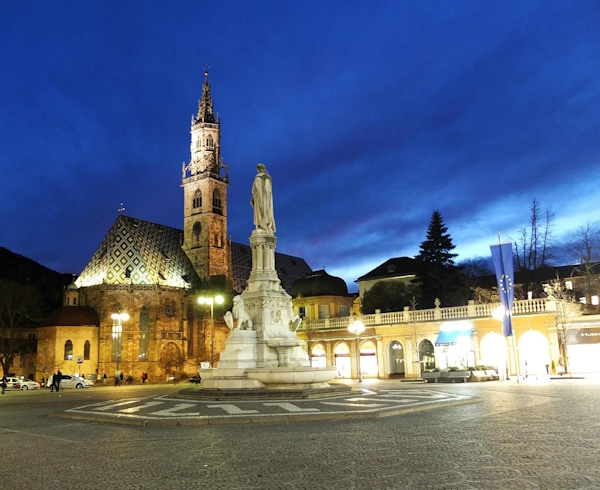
x=46 y=361
x=19 y=303
x=533 y=248
x=584 y=247
x=415 y=331
x=566 y=311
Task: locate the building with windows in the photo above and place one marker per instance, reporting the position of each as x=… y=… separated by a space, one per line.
x=403 y=344
x=134 y=307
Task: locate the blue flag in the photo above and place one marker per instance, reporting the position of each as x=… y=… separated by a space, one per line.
x=503 y=263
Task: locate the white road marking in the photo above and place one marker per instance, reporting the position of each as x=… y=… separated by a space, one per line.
x=290 y=407
x=140 y=407
x=368 y=405
x=168 y=412
x=231 y=409
x=114 y=405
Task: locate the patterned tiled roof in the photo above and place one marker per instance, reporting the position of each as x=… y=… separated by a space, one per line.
x=147 y=252
x=150 y=253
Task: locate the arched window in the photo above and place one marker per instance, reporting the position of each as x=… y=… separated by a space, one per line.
x=197 y=202
x=68 y=350
x=144 y=330
x=209 y=141
x=198 y=142
x=426 y=354
x=86 y=350
x=217 y=201
x=396 y=358
x=197 y=231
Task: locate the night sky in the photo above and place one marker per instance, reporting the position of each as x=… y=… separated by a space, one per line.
x=368 y=116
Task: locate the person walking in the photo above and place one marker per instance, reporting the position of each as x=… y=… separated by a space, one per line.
x=104 y=379
x=121 y=378
x=57 y=380
x=53 y=384
x=3 y=384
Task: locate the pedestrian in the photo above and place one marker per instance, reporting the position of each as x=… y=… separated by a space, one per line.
x=3 y=384
x=43 y=382
x=57 y=380
x=104 y=379
x=144 y=377
x=53 y=383
x=121 y=378
x=117 y=379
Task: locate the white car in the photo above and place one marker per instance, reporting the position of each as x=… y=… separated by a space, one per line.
x=27 y=384
x=12 y=383
x=71 y=381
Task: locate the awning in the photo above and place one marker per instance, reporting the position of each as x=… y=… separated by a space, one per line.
x=450 y=337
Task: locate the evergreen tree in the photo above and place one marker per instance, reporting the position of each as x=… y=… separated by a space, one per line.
x=388 y=296
x=436 y=274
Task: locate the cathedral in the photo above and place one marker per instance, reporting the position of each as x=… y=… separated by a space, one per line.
x=134 y=307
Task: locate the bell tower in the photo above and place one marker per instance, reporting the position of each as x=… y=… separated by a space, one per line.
x=205 y=197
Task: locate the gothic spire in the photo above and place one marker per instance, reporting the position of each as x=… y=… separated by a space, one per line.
x=205 y=104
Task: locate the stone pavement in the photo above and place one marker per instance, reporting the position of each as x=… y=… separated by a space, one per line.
x=533 y=435
x=168 y=410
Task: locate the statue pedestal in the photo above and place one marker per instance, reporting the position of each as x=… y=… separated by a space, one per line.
x=271 y=355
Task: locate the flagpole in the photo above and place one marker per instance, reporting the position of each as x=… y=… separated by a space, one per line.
x=512 y=328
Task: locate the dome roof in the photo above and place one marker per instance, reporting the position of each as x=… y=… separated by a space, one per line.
x=319 y=283
x=72 y=316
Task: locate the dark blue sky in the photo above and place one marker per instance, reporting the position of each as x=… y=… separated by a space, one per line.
x=368 y=115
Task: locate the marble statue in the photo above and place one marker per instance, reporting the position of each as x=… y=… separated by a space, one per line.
x=244 y=322
x=262 y=200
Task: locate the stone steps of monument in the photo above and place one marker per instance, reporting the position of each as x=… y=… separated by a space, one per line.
x=263 y=394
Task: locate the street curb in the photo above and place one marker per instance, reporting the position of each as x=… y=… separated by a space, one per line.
x=267 y=419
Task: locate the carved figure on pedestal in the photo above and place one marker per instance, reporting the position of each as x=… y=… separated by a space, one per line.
x=262 y=200
x=244 y=322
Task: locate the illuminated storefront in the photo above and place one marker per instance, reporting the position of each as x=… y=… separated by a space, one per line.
x=455 y=347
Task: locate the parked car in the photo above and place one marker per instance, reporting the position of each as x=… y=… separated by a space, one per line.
x=12 y=383
x=27 y=384
x=71 y=381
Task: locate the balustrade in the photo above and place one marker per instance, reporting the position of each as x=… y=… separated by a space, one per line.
x=522 y=307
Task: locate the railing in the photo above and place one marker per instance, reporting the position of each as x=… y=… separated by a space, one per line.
x=163 y=334
x=472 y=310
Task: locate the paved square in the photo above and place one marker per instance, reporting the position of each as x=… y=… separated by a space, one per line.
x=533 y=435
x=363 y=403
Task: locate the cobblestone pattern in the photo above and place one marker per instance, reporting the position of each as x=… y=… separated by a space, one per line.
x=527 y=436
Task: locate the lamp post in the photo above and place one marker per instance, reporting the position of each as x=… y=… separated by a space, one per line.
x=210 y=300
x=357 y=327
x=117 y=332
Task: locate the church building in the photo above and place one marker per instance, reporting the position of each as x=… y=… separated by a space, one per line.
x=144 y=280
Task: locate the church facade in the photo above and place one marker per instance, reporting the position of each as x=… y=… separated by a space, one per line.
x=144 y=280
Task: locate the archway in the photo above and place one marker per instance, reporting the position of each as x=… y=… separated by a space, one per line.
x=534 y=353
x=396 y=359
x=368 y=358
x=171 y=360
x=342 y=360
x=318 y=356
x=493 y=352
x=426 y=355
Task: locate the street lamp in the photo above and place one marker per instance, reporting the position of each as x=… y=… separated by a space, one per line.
x=210 y=300
x=117 y=332
x=357 y=327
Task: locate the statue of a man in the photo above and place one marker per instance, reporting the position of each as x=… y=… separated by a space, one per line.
x=262 y=200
